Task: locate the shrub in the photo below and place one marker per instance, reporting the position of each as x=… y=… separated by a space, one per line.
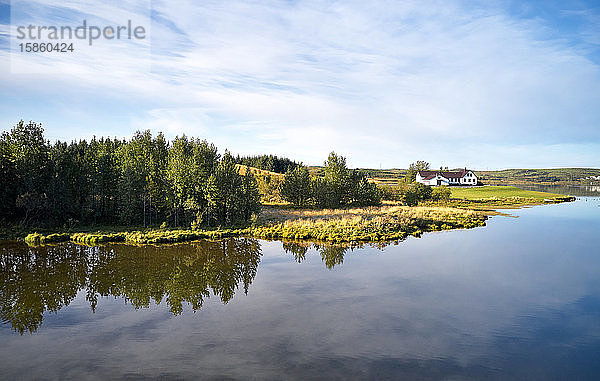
x=417 y=192
x=441 y=193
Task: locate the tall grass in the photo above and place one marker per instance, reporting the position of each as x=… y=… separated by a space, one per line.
x=491 y=192
x=373 y=224
x=363 y=224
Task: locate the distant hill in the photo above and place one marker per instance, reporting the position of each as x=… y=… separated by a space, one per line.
x=552 y=175
x=508 y=176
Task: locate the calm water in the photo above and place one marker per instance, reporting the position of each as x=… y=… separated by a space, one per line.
x=517 y=299
x=573 y=190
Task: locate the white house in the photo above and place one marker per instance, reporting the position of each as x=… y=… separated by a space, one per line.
x=462 y=177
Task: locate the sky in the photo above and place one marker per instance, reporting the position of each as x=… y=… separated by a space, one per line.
x=484 y=85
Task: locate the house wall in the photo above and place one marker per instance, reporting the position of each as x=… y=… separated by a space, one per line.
x=469 y=179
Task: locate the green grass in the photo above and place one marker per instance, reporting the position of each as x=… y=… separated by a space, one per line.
x=479 y=193
x=148 y=236
x=373 y=224
x=468 y=208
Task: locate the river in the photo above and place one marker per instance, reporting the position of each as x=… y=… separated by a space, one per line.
x=516 y=299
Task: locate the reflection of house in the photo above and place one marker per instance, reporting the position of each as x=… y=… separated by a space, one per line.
x=462 y=177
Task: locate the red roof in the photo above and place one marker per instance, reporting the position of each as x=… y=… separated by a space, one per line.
x=427 y=175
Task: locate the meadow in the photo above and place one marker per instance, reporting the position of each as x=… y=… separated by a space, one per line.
x=490 y=192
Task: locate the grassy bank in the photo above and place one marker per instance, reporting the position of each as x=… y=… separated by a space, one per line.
x=501 y=192
x=148 y=236
x=468 y=208
x=501 y=197
x=372 y=224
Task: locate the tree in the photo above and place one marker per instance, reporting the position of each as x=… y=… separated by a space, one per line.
x=28 y=162
x=411 y=175
x=8 y=179
x=232 y=198
x=179 y=175
x=138 y=182
x=337 y=178
x=417 y=192
x=322 y=193
x=441 y=193
x=135 y=159
x=365 y=193
x=388 y=192
x=248 y=201
x=296 y=186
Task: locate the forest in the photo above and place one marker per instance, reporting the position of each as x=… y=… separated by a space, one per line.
x=143 y=181
x=150 y=181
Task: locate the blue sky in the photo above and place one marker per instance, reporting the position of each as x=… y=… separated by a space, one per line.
x=487 y=85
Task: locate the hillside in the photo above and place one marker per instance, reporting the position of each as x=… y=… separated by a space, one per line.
x=242 y=169
x=553 y=176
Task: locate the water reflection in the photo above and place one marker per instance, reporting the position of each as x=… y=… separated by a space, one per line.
x=519 y=299
x=332 y=255
x=35 y=280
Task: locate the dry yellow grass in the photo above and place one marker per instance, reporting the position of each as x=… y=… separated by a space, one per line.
x=277 y=215
x=362 y=224
x=243 y=169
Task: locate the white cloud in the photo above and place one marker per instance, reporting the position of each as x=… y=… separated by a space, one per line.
x=309 y=77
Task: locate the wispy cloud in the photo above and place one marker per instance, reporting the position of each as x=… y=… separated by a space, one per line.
x=380 y=82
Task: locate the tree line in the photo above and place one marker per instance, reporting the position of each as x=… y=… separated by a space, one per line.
x=268 y=163
x=339 y=186
x=146 y=180
x=149 y=181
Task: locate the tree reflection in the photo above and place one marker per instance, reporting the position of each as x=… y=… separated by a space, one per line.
x=297 y=249
x=176 y=274
x=331 y=254
x=35 y=280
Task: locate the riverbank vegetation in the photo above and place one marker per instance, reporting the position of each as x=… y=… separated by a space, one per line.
x=371 y=224
x=183 y=190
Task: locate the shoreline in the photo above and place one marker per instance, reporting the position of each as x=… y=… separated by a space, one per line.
x=354 y=225
x=388 y=222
